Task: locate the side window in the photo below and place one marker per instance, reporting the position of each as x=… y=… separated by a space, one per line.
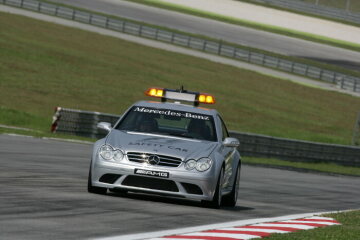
x=224 y=130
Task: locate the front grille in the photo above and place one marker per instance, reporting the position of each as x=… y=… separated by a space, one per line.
x=166 y=161
x=192 y=188
x=109 y=178
x=150 y=183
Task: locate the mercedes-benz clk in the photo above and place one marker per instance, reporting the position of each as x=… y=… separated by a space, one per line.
x=168 y=148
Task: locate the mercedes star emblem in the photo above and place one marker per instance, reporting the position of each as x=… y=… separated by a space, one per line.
x=153 y=160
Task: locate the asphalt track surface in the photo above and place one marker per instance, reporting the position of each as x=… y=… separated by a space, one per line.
x=43 y=196
x=228 y=32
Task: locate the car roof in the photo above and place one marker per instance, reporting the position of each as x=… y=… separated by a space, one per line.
x=177 y=106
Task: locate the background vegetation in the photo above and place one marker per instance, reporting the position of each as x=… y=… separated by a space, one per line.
x=43 y=65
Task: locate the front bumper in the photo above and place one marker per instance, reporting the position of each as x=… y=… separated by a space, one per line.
x=181 y=183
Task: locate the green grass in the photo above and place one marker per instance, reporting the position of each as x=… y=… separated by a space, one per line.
x=310 y=62
x=13 y=117
x=246 y=23
x=348 y=230
x=318 y=167
x=36 y=125
x=43 y=65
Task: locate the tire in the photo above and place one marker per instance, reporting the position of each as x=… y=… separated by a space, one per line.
x=230 y=199
x=92 y=189
x=217 y=199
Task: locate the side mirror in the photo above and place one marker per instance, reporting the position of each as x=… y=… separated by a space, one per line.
x=231 y=142
x=104 y=126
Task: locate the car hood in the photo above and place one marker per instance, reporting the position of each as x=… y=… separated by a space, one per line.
x=157 y=144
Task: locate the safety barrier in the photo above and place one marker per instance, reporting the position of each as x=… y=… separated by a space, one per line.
x=325 y=11
x=80 y=123
x=296 y=150
x=356 y=132
x=343 y=81
x=83 y=123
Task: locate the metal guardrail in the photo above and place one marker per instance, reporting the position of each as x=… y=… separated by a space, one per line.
x=80 y=123
x=83 y=123
x=325 y=11
x=356 y=132
x=296 y=150
x=343 y=81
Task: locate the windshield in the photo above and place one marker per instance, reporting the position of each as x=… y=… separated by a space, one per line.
x=169 y=122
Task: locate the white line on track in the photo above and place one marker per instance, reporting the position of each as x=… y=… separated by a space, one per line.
x=253 y=230
x=49 y=138
x=325 y=223
x=211 y=234
x=298 y=226
x=18 y=128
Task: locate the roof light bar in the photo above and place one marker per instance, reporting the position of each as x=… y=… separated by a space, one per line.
x=180 y=95
x=155 y=92
x=206 y=98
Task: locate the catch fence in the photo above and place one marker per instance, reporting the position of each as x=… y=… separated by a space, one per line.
x=343 y=81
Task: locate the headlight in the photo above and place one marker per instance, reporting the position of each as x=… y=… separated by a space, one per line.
x=203 y=164
x=200 y=165
x=190 y=165
x=108 y=153
x=118 y=155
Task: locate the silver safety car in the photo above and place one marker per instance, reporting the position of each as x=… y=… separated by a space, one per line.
x=168 y=148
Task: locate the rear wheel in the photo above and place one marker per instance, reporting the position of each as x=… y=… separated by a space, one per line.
x=230 y=200
x=216 y=202
x=93 y=189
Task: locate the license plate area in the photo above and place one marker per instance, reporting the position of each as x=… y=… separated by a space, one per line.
x=151 y=173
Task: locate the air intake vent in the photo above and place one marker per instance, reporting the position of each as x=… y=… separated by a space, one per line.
x=192 y=188
x=150 y=183
x=109 y=178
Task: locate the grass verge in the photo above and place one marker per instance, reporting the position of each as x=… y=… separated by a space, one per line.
x=319 y=64
x=34 y=124
x=349 y=229
x=246 y=23
x=44 y=65
x=303 y=166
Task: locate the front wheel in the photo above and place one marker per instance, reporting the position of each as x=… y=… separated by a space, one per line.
x=93 y=189
x=230 y=200
x=216 y=202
